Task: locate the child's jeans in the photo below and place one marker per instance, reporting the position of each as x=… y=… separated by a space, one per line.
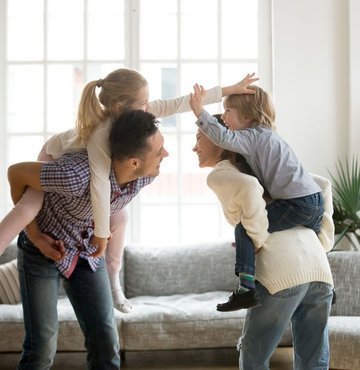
x=282 y=214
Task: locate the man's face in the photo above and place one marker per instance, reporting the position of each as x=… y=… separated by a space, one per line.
x=208 y=153
x=150 y=164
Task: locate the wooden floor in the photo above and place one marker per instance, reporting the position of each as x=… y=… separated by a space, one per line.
x=220 y=359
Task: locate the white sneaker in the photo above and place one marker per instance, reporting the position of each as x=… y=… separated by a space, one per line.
x=120 y=302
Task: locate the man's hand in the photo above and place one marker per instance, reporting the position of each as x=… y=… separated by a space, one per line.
x=196 y=99
x=100 y=244
x=49 y=247
x=241 y=87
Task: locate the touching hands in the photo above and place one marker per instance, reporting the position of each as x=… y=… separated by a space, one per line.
x=196 y=99
x=100 y=244
x=242 y=86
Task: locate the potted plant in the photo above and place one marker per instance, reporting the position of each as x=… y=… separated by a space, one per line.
x=346 y=199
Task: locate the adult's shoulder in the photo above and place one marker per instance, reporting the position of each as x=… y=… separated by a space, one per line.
x=225 y=174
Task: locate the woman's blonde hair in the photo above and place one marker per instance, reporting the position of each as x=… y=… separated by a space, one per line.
x=257 y=107
x=118 y=91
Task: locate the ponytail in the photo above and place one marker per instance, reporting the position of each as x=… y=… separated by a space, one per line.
x=118 y=91
x=90 y=112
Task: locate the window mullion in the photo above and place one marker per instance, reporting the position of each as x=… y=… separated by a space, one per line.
x=132 y=60
x=3 y=107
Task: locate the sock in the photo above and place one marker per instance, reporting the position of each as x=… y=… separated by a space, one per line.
x=247 y=282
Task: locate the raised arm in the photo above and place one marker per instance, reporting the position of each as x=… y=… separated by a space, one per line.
x=167 y=107
x=198 y=97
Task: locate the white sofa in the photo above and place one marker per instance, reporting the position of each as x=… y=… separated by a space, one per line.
x=174 y=291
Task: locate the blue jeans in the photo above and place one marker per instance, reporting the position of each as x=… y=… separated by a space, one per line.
x=282 y=214
x=307 y=308
x=90 y=296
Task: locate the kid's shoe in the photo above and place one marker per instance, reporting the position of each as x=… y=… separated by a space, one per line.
x=238 y=301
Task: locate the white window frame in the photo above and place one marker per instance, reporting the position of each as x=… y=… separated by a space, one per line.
x=131 y=60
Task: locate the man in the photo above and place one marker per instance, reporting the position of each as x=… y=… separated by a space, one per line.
x=137 y=150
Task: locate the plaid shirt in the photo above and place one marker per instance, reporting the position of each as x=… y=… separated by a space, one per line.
x=66 y=213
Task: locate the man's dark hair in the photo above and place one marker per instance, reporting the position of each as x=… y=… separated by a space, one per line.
x=129 y=134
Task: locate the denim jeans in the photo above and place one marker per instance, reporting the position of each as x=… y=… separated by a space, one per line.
x=306 y=307
x=282 y=214
x=90 y=295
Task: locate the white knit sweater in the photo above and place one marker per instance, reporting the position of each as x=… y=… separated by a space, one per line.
x=285 y=258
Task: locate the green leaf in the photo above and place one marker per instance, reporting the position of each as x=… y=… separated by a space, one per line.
x=346 y=196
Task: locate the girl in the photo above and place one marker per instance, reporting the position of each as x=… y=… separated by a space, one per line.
x=297 y=198
x=121 y=90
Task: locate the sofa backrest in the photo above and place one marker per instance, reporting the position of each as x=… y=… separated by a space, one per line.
x=9 y=254
x=197 y=268
x=345 y=267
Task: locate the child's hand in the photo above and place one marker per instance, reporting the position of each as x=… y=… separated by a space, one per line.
x=196 y=99
x=100 y=244
x=242 y=86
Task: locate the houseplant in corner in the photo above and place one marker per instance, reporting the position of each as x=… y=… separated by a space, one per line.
x=346 y=199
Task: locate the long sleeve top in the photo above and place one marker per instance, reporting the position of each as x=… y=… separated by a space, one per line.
x=269 y=156
x=286 y=258
x=99 y=153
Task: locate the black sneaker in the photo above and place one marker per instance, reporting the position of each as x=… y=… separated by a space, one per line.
x=238 y=300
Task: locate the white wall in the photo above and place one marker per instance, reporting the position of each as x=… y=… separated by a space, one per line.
x=313 y=50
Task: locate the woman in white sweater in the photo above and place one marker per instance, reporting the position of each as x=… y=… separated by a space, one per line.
x=293 y=276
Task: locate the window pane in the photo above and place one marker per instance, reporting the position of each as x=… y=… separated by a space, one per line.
x=205 y=74
x=192 y=227
x=199 y=29
x=106 y=29
x=25 y=98
x=64 y=87
x=239 y=29
x=158 y=225
x=65 y=29
x=101 y=70
x=158 y=29
x=30 y=148
x=25 y=30
x=162 y=79
x=234 y=72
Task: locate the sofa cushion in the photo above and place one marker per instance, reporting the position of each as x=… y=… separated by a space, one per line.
x=344 y=338
x=9 y=254
x=9 y=283
x=345 y=270
x=180 y=321
x=163 y=271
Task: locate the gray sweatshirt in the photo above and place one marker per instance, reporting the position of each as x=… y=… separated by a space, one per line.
x=269 y=156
